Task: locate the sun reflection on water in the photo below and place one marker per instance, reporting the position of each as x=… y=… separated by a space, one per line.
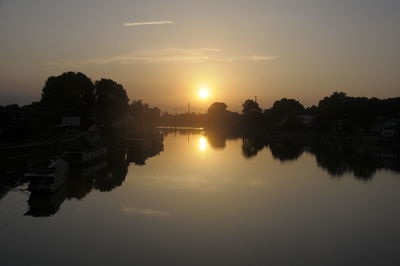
x=203 y=143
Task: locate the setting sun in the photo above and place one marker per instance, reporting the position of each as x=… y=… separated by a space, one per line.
x=204 y=93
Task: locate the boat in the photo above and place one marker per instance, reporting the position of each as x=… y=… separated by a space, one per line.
x=46 y=204
x=47 y=175
x=83 y=156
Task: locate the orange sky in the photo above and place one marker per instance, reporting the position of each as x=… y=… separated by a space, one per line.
x=163 y=51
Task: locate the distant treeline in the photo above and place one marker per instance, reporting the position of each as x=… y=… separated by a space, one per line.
x=337 y=112
x=105 y=103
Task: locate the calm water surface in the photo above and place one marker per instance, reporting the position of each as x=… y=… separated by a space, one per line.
x=207 y=201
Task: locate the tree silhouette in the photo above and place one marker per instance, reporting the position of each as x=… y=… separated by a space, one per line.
x=69 y=91
x=251 y=107
x=285 y=108
x=144 y=116
x=251 y=147
x=345 y=113
x=217 y=113
x=252 y=114
x=285 y=151
x=111 y=99
x=217 y=109
x=217 y=140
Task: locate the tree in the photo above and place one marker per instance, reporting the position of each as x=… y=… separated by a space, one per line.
x=353 y=113
x=217 y=113
x=286 y=151
x=217 y=108
x=154 y=113
x=251 y=146
x=285 y=108
x=69 y=91
x=137 y=108
x=251 y=107
x=252 y=114
x=333 y=101
x=111 y=99
x=143 y=115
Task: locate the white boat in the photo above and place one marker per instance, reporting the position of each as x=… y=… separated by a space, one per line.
x=47 y=176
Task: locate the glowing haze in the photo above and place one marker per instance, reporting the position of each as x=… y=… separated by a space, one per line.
x=162 y=51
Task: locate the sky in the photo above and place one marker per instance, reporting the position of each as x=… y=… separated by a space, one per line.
x=163 y=51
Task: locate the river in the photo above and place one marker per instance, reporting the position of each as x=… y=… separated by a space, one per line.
x=211 y=200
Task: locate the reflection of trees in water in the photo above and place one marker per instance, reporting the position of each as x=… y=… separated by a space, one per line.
x=115 y=174
x=101 y=175
x=339 y=160
x=216 y=140
x=10 y=181
x=329 y=160
x=139 y=156
x=251 y=146
x=180 y=131
x=108 y=174
x=104 y=175
x=286 y=151
x=5 y=186
x=81 y=179
x=336 y=159
x=3 y=191
x=78 y=186
x=46 y=204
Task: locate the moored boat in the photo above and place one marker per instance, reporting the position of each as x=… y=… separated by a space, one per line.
x=47 y=175
x=46 y=204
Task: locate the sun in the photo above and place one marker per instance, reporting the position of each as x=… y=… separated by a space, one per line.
x=204 y=93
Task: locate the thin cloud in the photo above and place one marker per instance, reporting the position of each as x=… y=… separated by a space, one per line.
x=146 y=212
x=63 y=64
x=187 y=56
x=250 y=58
x=206 y=49
x=133 y=24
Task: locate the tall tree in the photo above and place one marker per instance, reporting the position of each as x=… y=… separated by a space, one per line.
x=252 y=114
x=111 y=99
x=251 y=107
x=217 y=113
x=217 y=108
x=143 y=115
x=285 y=108
x=69 y=91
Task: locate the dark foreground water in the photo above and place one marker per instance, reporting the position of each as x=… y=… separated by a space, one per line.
x=213 y=201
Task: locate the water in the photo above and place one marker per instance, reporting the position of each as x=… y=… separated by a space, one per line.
x=213 y=201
